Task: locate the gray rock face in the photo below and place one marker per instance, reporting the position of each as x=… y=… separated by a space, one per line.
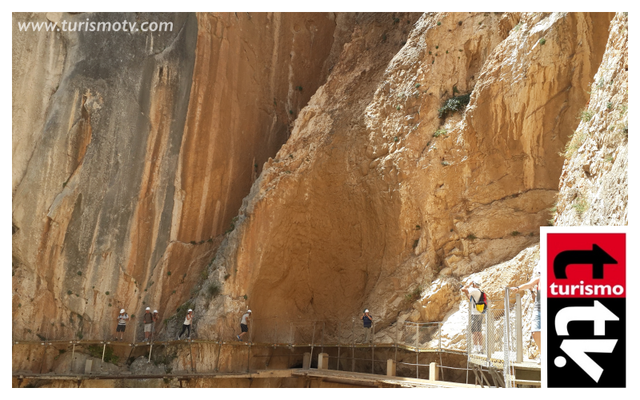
x=111 y=128
x=132 y=152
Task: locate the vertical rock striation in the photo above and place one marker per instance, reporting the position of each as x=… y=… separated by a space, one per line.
x=133 y=150
x=377 y=192
x=304 y=165
x=594 y=180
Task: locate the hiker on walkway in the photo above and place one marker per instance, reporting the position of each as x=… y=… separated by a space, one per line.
x=366 y=325
x=244 y=325
x=123 y=317
x=147 y=318
x=472 y=290
x=156 y=317
x=533 y=283
x=186 y=326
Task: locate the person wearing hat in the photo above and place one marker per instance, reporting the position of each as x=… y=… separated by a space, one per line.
x=187 y=324
x=123 y=317
x=156 y=317
x=147 y=319
x=366 y=324
x=244 y=325
x=472 y=290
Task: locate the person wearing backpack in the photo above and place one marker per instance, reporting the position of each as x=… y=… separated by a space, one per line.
x=478 y=305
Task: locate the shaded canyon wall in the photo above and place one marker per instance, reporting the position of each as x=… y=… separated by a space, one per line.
x=132 y=153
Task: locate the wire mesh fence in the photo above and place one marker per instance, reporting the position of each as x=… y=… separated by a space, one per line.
x=494 y=337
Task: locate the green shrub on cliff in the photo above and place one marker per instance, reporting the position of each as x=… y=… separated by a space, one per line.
x=454 y=104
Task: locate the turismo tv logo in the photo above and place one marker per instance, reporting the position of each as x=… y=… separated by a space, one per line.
x=586 y=292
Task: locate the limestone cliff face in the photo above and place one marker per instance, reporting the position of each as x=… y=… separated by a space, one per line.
x=303 y=165
x=593 y=190
x=594 y=180
x=132 y=153
x=376 y=194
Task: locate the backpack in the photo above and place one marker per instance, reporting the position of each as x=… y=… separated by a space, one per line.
x=481 y=304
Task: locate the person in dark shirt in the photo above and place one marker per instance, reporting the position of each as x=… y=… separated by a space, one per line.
x=156 y=318
x=148 y=323
x=367 y=320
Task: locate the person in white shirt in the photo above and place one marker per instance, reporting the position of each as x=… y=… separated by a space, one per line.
x=472 y=290
x=244 y=325
x=186 y=326
x=123 y=317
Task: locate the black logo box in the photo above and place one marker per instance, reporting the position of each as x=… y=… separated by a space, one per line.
x=613 y=364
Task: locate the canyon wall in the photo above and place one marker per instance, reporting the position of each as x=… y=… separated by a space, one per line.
x=132 y=152
x=305 y=166
x=378 y=192
x=594 y=182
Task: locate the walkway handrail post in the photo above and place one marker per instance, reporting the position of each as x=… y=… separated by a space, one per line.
x=313 y=338
x=417 y=352
x=507 y=346
x=322 y=338
x=291 y=333
x=395 y=359
x=353 y=343
x=372 y=344
x=518 y=328
x=338 y=362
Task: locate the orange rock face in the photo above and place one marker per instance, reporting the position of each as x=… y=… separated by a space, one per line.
x=135 y=158
x=303 y=165
x=373 y=196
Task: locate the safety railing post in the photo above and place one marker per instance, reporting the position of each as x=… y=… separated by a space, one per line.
x=322 y=338
x=353 y=343
x=73 y=356
x=489 y=337
x=518 y=328
x=507 y=346
x=416 y=349
x=339 y=346
x=469 y=338
x=395 y=359
x=372 y=344
x=440 y=336
x=291 y=333
x=313 y=338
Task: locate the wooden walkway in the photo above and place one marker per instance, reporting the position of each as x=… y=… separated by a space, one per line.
x=526 y=373
x=349 y=378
